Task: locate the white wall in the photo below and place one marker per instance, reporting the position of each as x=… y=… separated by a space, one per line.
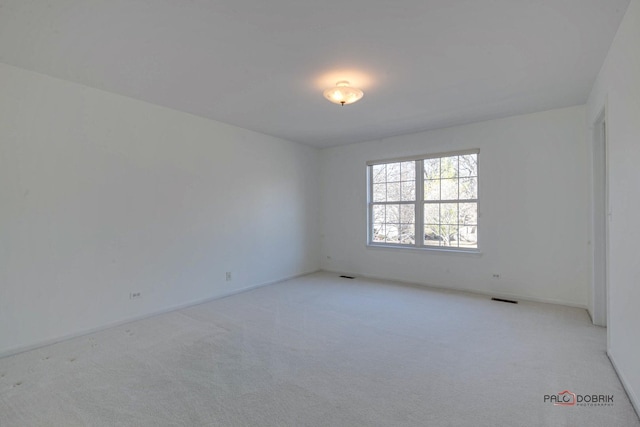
x=618 y=86
x=102 y=195
x=533 y=209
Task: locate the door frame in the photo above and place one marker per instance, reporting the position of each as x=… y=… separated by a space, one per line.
x=601 y=215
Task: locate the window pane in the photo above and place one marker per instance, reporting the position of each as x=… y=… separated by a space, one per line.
x=393 y=233
x=377 y=214
x=449 y=167
x=407 y=214
x=432 y=235
x=468 y=188
x=469 y=165
x=468 y=236
x=393 y=192
x=393 y=172
x=432 y=189
x=407 y=234
x=449 y=234
x=408 y=171
x=449 y=189
x=379 y=192
x=408 y=189
x=393 y=214
x=431 y=168
x=379 y=173
x=378 y=233
x=468 y=213
x=448 y=213
x=432 y=213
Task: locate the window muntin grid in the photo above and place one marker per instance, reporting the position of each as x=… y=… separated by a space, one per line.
x=441 y=191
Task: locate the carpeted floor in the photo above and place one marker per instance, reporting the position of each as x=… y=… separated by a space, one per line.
x=324 y=351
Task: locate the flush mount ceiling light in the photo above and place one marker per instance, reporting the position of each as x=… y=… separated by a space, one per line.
x=343 y=93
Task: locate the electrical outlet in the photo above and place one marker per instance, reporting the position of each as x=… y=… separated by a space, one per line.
x=135 y=295
x=228 y=276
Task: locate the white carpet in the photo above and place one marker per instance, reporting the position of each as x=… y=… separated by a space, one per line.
x=323 y=351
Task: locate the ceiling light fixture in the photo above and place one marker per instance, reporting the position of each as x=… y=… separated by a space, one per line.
x=343 y=93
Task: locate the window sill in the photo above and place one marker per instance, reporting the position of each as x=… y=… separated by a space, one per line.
x=453 y=251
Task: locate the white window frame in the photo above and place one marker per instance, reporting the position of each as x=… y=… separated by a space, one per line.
x=419 y=203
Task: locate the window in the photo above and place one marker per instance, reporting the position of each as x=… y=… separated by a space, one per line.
x=424 y=202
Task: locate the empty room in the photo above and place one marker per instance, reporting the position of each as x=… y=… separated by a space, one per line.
x=296 y=213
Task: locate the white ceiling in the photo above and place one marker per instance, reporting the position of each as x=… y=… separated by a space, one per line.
x=262 y=65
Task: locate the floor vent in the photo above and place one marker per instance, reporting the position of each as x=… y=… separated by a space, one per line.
x=510 y=301
x=347 y=277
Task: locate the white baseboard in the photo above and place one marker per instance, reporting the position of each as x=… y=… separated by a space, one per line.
x=471 y=291
x=22 y=349
x=625 y=384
